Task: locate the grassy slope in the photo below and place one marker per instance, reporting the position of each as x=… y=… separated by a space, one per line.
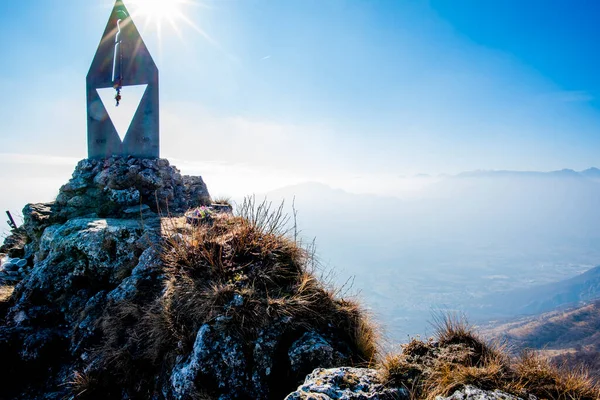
x=570 y=336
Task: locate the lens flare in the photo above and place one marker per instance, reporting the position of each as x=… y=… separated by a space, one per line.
x=157 y=12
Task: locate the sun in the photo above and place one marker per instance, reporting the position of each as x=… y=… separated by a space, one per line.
x=157 y=9
x=175 y=14
x=157 y=12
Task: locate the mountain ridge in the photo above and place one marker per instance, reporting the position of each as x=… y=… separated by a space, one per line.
x=568 y=336
x=544 y=298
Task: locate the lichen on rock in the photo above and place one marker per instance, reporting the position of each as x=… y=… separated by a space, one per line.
x=472 y=393
x=106 y=188
x=346 y=384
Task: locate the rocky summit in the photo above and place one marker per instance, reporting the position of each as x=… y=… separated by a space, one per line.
x=111 y=292
x=117 y=290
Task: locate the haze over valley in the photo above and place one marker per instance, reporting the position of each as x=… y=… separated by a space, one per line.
x=461 y=242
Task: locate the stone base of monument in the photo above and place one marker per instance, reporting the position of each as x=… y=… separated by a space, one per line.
x=126 y=187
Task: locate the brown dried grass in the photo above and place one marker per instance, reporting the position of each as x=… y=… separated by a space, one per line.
x=249 y=268
x=5 y=292
x=458 y=357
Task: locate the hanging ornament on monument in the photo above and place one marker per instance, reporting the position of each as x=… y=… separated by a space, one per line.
x=117 y=70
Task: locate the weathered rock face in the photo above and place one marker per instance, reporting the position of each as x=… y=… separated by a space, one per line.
x=473 y=393
x=346 y=384
x=221 y=357
x=93 y=302
x=125 y=187
x=93 y=248
x=80 y=268
x=99 y=310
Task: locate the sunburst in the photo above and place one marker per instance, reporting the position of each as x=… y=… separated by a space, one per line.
x=155 y=13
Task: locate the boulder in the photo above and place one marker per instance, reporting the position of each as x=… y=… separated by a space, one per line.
x=313 y=349
x=216 y=356
x=36 y=217
x=9 y=266
x=80 y=268
x=14 y=244
x=346 y=384
x=473 y=393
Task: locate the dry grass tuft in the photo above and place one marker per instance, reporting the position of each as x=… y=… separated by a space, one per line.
x=80 y=384
x=402 y=371
x=447 y=377
x=365 y=335
x=246 y=270
x=544 y=380
x=225 y=201
x=455 y=330
x=459 y=357
x=5 y=292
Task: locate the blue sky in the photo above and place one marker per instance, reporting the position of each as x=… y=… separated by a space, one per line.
x=350 y=93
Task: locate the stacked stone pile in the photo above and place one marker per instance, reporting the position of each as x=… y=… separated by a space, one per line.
x=13 y=269
x=127 y=187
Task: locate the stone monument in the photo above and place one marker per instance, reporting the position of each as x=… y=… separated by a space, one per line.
x=122 y=61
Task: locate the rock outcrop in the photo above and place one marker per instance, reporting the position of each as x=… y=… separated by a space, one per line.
x=127 y=187
x=346 y=384
x=473 y=393
x=79 y=269
x=114 y=301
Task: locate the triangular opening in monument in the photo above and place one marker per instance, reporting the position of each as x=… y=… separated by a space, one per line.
x=122 y=116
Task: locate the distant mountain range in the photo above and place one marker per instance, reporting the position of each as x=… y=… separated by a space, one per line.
x=593 y=173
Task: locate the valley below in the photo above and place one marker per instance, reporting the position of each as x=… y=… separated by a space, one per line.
x=489 y=245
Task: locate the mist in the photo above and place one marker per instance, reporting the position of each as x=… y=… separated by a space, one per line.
x=455 y=243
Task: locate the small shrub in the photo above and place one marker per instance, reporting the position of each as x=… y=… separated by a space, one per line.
x=80 y=384
x=459 y=357
x=539 y=377
x=225 y=201
x=398 y=370
x=5 y=292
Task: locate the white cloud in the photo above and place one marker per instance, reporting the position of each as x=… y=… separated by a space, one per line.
x=39 y=159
